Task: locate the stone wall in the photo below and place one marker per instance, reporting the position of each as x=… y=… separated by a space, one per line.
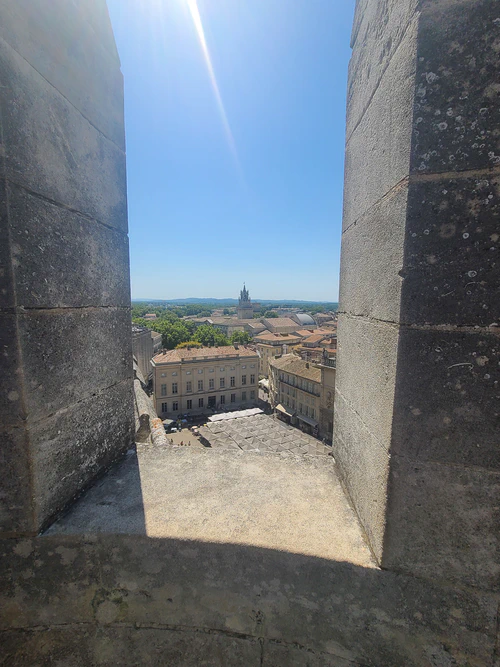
x=66 y=394
x=417 y=395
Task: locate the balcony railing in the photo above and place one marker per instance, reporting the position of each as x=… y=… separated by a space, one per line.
x=314 y=391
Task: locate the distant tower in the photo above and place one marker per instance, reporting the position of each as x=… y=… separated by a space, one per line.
x=245 y=308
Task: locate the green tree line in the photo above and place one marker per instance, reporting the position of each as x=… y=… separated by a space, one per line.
x=176 y=332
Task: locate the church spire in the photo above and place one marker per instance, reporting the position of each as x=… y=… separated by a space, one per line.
x=244 y=294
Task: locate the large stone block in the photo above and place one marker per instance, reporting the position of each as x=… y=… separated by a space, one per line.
x=358 y=614
x=16 y=509
x=69 y=355
x=110 y=646
x=7 y=299
x=90 y=78
x=75 y=262
x=378 y=151
x=380 y=27
x=372 y=254
x=71 y=447
x=284 y=655
x=53 y=150
x=451 y=267
x=363 y=464
x=12 y=408
x=447 y=398
x=456 y=114
x=442 y=523
x=366 y=371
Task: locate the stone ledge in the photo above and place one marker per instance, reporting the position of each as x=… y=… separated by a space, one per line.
x=284 y=502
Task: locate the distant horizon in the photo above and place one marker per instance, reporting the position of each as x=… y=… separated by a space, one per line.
x=232 y=299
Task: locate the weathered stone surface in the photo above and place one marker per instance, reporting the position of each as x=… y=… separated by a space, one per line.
x=438 y=382
x=6 y=280
x=90 y=78
x=381 y=27
x=359 y=614
x=363 y=465
x=451 y=252
x=460 y=542
x=69 y=355
x=283 y=655
x=44 y=264
x=72 y=446
x=457 y=115
x=368 y=383
x=16 y=510
x=378 y=151
x=63 y=223
x=53 y=150
x=372 y=253
x=450 y=410
x=12 y=408
x=269 y=500
x=107 y=647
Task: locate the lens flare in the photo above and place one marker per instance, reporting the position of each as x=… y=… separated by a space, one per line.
x=195 y=15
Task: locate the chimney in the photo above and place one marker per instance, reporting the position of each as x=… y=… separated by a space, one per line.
x=307 y=364
x=236 y=346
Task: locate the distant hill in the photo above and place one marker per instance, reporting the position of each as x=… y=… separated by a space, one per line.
x=233 y=302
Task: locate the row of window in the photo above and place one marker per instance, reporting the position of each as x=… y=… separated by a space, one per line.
x=211 y=384
x=211 y=403
x=210 y=370
x=290 y=391
x=297 y=382
x=303 y=410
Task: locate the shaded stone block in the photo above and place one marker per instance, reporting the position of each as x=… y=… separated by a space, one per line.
x=366 y=371
x=90 y=78
x=451 y=266
x=456 y=113
x=71 y=447
x=372 y=253
x=362 y=615
x=12 y=408
x=447 y=398
x=283 y=655
x=377 y=154
x=6 y=280
x=443 y=522
x=107 y=647
x=63 y=173
x=53 y=150
x=69 y=355
x=44 y=265
x=363 y=465
x=16 y=510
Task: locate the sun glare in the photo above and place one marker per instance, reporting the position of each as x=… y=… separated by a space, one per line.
x=195 y=15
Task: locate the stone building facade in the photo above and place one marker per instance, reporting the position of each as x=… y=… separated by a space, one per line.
x=196 y=381
x=328 y=367
x=295 y=392
x=271 y=345
x=145 y=345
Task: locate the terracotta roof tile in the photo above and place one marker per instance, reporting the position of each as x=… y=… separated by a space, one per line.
x=291 y=363
x=201 y=353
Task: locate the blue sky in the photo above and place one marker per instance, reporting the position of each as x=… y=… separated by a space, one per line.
x=247 y=187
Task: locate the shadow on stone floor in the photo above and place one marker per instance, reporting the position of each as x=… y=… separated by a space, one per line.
x=108 y=599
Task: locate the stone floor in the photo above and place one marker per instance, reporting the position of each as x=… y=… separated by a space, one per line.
x=263 y=433
x=278 y=501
